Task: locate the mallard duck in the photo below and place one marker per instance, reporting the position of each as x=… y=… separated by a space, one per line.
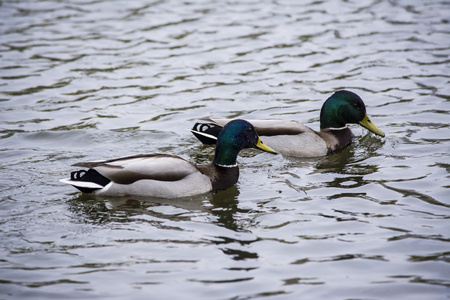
x=169 y=176
x=291 y=138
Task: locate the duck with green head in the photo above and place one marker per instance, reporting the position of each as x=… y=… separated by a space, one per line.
x=169 y=176
x=291 y=138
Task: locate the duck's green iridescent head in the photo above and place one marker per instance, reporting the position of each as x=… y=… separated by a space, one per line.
x=235 y=136
x=344 y=107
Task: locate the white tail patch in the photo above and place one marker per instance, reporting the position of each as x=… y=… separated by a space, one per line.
x=83 y=184
x=204 y=134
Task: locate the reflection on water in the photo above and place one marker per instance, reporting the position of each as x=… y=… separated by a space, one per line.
x=99 y=209
x=87 y=80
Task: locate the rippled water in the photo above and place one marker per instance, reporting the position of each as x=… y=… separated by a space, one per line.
x=87 y=80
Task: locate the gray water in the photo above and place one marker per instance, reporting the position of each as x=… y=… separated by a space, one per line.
x=89 y=80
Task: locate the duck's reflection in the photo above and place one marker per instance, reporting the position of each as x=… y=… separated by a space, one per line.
x=219 y=208
x=97 y=209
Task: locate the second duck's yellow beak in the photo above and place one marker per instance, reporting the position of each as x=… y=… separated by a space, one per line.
x=366 y=123
x=260 y=145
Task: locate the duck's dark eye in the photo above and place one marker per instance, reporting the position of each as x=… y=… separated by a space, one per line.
x=356 y=106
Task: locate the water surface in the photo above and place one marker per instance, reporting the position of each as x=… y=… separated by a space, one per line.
x=88 y=80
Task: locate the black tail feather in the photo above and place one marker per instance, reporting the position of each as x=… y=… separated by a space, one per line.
x=89 y=176
x=208 y=128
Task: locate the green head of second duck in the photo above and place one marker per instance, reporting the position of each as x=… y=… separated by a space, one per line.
x=344 y=107
x=235 y=136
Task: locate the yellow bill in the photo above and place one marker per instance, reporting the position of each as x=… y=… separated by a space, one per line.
x=260 y=145
x=366 y=123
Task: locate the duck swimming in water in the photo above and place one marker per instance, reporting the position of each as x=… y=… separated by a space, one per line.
x=166 y=175
x=291 y=138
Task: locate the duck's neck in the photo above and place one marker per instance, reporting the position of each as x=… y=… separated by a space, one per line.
x=224 y=177
x=226 y=155
x=336 y=139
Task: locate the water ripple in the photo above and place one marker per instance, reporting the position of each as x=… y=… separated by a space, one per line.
x=86 y=80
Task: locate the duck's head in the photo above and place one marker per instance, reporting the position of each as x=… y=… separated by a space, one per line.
x=344 y=107
x=235 y=136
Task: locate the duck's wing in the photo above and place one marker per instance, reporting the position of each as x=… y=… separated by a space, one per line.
x=129 y=169
x=277 y=127
x=208 y=129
